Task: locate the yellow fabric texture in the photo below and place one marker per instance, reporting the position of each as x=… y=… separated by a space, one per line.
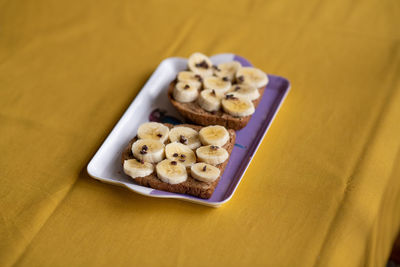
x=322 y=190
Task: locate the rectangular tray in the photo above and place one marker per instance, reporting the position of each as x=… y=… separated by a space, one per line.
x=152 y=103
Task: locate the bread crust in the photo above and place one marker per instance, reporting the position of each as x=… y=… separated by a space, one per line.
x=191 y=186
x=198 y=115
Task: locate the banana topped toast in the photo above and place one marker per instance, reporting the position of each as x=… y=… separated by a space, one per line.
x=225 y=95
x=186 y=159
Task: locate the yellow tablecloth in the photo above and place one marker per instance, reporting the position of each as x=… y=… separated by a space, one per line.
x=322 y=190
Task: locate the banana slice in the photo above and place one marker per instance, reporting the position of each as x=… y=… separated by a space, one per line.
x=200 y=64
x=245 y=91
x=154 y=131
x=185 y=92
x=227 y=69
x=171 y=171
x=214 y=135
x=252 y=76
x=186 y=136
x=213 y=155
x=237 y=106
x=181 y=153
x=209 y=100
x=136 y=168
x=219 y=85
x=204 y=172
x=191 y=78
x=148 y=150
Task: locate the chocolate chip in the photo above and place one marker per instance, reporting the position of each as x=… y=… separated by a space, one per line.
x=230 y=96
x=174 y=162
x=240 y=79
x=237 y=88
x=198 y=77
x=181 y=160
x=140 y=161
x=213 y=92
x=175 y=155
x=203 y=64
x=225 y=79
x=183 y=156
x=186 y=86
x=216 y=68
x=183 y=140
x=204 y=168
x=159 y=135
x=143 y=152
x=214 y=147
x=144 y=148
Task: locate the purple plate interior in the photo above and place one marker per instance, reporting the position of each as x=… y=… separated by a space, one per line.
x=248 y=139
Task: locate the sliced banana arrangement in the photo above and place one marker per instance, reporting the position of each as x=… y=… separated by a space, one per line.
x=237 y=106
x=214 y=135
x=200 y=64
x=137 y=168
x=204 y=172
x=251 y=76
x=148 y=150
x=211 y=154
x=209 y=100
x=175 y=154
x=220 y=86
x=228 y=86
x=186 y=136
x=181 y=153
x=153 y=130
x=171 y=171
x=191 y=78
x=185 y=92
x=227 y=70
x=245 y=91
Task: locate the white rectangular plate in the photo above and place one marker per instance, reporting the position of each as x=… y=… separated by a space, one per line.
x=152 y=104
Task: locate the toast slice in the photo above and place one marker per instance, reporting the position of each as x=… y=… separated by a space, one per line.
x=191 y=186
x=196 y=114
